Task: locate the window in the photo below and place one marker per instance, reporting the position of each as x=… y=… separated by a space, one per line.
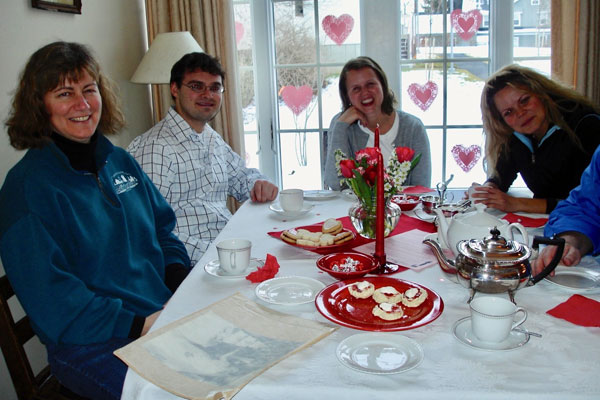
x=436 y=54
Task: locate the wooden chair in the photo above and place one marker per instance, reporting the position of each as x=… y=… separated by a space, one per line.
x=13 y=336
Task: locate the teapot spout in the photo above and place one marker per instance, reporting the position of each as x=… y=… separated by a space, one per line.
x=442 y=224
x=447 y=265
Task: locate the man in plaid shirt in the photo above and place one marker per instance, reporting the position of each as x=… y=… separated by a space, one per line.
x=189 y=162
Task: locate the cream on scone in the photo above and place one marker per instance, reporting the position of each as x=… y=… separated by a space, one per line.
x=387 y=294
x=362 y=289
x=414 y=297
x=387 y=311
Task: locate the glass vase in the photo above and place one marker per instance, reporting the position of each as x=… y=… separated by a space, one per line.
x=364 y=216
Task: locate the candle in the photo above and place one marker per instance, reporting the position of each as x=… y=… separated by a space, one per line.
x=379 y=213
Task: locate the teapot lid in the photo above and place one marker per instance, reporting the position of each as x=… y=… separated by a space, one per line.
x=496 y=248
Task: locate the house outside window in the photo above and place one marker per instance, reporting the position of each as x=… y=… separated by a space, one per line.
x=436 y=54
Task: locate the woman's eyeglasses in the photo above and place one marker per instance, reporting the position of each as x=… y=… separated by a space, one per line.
x=200 y=87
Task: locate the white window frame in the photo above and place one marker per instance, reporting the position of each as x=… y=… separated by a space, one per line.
x=373 y=13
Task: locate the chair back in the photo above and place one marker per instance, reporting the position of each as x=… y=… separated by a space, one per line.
x=14 y=335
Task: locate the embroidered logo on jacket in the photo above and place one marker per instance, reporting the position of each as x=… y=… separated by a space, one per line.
x=124 y=182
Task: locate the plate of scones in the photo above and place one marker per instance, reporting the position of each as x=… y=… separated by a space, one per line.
x=330 y=235
x=379 y=303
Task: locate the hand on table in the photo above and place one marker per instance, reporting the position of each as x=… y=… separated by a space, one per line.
x=263 y=191
x=576 y=246
x=150 y=319
x=491 y=196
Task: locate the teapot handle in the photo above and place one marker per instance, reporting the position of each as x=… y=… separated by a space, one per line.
x=560 y=242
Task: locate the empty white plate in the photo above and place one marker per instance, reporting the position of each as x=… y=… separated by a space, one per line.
x=276 y=207
x=289 y=290
x=575 y=279
x=379 y=353
x=320 y=194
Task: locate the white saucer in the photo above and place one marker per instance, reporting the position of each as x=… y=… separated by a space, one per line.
x=575 y=279
x=462 y=331
x=289 y=290
x=214 y=269
x=379 y=353
x=320 y=194
x=276 y=207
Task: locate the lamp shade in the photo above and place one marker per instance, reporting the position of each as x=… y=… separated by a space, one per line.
x=166 y=49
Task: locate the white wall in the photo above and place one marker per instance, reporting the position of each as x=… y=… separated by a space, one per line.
x=116 y=32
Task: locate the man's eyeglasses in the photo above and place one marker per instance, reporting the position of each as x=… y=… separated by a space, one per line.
x=200 y=87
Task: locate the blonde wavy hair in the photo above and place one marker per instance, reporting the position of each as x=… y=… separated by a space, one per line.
x=557 y=99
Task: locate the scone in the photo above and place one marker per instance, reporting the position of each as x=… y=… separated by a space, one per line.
x=343 y=237
x=362 y=289
x=387 y=294
x=387 y=311
x=414 y=297
x=332 y=226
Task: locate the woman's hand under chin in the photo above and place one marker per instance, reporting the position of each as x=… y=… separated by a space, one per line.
x=351 y=115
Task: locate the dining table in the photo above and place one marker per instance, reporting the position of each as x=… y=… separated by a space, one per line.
x=563 y=363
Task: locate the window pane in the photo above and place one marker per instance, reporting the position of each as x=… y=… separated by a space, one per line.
x=297 y=99
x=436 y=144
x=294 y=32
x=330 y=95
x=300 y=168
x=464 y=156
x=531 y=37
x=422 y=91
x=339 y=30
x=465 y=83
x=251 y=146
x=468 y=37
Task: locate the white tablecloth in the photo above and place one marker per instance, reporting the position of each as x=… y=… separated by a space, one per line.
x=563 y=364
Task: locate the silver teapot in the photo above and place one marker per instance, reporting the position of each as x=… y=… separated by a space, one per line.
x=494 y=264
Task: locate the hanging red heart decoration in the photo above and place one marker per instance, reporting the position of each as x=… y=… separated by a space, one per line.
x=239 y=31
x=423 y=95
x=466 y=24
x=466 y=158
x=297 y=98
x=338 y=28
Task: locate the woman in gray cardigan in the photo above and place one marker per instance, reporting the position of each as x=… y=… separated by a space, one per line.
x=368 y=101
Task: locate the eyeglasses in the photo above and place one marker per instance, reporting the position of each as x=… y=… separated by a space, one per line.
x=200 y=87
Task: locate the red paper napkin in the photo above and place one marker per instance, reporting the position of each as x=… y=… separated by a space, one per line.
x=525 y=221
x=267 y=271
x=578 y=310
x=405 y=224
x=417 y=189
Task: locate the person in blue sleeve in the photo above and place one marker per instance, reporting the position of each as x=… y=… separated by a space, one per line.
x=576 y=219
x=85 y=237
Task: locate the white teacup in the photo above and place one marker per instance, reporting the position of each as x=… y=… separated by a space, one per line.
x=291 y=199
x=234 y=255
x=492 y=318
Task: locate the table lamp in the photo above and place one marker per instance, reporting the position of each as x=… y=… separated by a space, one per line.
x=155 y=68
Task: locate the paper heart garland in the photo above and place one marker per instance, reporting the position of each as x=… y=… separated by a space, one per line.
x=466 y=158
x=239 y=32
x=338 y=28
x=466 y=24
x=424 y=95
x=297 y=98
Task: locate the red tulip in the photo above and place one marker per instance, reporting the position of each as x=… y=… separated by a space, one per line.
x=347 y=167
x=370 y=175
x=404 y=154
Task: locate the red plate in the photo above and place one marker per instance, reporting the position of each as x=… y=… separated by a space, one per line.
x=318 y=228
x=337 y=304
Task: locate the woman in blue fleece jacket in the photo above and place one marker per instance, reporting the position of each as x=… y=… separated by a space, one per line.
x=85 y=238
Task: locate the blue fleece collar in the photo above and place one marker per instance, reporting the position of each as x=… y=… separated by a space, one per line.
x=527 y=141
